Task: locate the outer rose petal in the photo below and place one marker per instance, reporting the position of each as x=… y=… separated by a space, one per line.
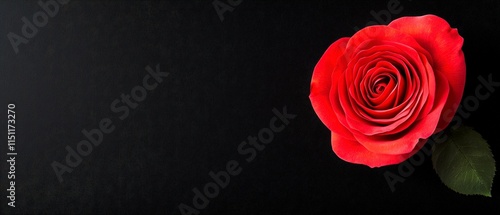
x=444 y=44
x=353 y=152
x=321 y=84
x=380 y=33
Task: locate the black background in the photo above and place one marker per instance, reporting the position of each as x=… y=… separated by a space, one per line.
x=225 y=79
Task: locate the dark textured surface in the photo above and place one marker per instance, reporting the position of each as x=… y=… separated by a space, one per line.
x=225 y=79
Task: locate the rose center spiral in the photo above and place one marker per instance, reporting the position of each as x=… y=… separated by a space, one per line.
x=380 y=84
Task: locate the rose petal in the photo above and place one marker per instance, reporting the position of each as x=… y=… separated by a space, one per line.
x=352 y=151
x=444 y=44
x=321 y=84
x=377 y=34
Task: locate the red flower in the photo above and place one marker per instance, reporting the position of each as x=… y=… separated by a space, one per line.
x=386 y=89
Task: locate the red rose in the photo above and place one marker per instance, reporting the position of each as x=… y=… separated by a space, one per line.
x=386 y=89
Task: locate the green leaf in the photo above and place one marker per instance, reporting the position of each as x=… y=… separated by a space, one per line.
x=465 y=163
